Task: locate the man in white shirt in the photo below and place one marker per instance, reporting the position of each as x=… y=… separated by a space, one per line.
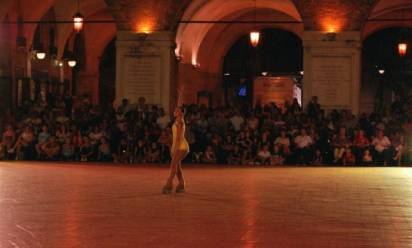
x=163 y=120
x=237 y=121
x=303 y=144
x=264 y=155
x=381 y=145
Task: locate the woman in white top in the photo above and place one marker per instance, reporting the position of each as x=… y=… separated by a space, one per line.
x=179 y=150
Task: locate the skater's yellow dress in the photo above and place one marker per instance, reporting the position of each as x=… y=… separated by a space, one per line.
x=179 y=143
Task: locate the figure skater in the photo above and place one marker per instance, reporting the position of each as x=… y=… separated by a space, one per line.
x=178 y=151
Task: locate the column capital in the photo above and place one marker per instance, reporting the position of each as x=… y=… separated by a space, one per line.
x=347 y=39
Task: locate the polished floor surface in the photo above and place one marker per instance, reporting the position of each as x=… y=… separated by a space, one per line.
x=67 y=205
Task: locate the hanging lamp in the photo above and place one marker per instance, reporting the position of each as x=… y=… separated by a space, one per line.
x=254 y=35
x=78 y=19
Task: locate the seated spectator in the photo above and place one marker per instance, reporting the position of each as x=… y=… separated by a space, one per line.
x=209 y=157
x=283 y=143
x=105 y=154
x=263 y=156
x=263 y=140
x=340 y=144
x=349 y=157
x=399 y=145
x=303 y=147
x=253 y=123
x=68 y=150
x=163 y=120
x=237 y=121
x=228 y=147
x=42 y=137
x=367 y=157
x=381 y=145
x=277 y=156
x=140 y=152
x=25 y=145
x=51 y=149
x=317 y=158
x=2 y=151
x=77 y=140
x=360 y=144
x=8 y=141
x=235 y=156
x=247 y=157
x=153 y=153
x=61 y=118
x=86 y=150
x=96 y=136
x=62 y=134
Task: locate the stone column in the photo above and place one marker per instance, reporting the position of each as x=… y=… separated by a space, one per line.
x=332 y=65
x=144 y=67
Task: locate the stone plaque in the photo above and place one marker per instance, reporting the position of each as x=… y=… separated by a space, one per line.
x=332 y=80
x=142 y=78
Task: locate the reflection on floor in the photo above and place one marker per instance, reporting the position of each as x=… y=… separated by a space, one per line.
x=68 y=205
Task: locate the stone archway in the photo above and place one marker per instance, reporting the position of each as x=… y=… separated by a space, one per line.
x=391 y=12
x=385 y=16
x=107 y=74
x=202 y=47
x=385 y=74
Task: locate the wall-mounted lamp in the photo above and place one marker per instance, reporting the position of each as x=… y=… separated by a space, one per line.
x=39 y=51
x=40 y=54
x=72 y=63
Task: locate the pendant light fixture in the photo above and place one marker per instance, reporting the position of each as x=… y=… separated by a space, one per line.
x=78 y=19
x=402 y=48
x=254 y=35
x=402 y=44
x=254 y=38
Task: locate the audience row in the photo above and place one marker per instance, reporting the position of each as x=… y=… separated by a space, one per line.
x=263 y=135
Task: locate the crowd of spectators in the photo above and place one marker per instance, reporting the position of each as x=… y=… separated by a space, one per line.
x=241 y=135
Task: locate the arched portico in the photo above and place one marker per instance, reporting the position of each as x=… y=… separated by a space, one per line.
x=385 y=16
x=169 y=32
x=202 y=47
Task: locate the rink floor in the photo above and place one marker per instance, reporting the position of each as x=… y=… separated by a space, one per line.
x=72 y=205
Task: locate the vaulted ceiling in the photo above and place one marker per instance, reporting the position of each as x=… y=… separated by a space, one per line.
x=155 y=15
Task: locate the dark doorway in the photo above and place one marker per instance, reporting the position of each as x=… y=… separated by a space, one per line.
x=279 y=53
x=386 y=75
x=107 y=70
